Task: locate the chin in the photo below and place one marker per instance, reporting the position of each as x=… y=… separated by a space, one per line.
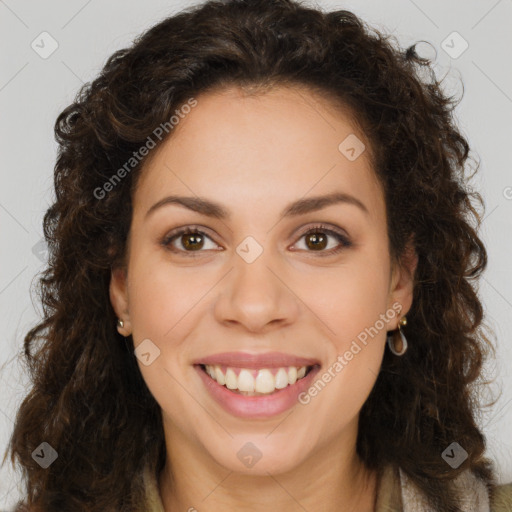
x=258 y=455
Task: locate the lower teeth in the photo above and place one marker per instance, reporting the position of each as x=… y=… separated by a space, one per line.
x=252 y=393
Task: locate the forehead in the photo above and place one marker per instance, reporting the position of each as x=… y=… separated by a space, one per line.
x=278 y=145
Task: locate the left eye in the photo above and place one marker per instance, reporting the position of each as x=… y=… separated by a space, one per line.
x=316 y=238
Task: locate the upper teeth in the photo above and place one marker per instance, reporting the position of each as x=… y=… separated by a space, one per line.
x=263 y=382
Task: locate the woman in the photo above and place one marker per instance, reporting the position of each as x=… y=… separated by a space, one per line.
x=260 y=291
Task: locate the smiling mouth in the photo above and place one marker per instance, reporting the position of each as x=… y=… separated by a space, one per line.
x=256 y=382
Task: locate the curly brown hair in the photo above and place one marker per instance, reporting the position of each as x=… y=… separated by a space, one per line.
x=88 y=399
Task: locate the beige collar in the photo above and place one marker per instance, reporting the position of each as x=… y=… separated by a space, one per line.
x=473 y=495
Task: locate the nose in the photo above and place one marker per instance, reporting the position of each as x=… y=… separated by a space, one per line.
x=257 y=296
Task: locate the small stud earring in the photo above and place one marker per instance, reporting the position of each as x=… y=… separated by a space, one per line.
x=397 y=341
x=120 y=323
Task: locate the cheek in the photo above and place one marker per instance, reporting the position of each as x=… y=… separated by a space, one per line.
x=162 y=295
x=165 y=304
x=354 y=309
x=352 y=302
x=351 y=297
x=340 y=390
x=161 y=302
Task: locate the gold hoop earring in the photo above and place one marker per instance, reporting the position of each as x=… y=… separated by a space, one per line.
x=397 y=342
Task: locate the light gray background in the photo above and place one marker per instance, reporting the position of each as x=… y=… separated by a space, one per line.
x=33 y=91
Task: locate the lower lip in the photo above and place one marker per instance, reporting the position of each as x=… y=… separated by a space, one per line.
x=257 y=406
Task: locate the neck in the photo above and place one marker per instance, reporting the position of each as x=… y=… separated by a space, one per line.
x=334 y=479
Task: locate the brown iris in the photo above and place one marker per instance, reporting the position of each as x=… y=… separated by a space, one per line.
x=318 y=240
x=193 y=241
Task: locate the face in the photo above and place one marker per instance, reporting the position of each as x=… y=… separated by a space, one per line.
x=263 y=289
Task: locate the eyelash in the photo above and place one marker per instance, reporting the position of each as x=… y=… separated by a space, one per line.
x=345 y=243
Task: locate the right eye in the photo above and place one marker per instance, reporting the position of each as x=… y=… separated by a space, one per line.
x=190 y=239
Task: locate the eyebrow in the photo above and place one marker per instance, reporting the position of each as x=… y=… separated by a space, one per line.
x=300 y=207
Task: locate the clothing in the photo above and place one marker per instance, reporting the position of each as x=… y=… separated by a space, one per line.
x=395 y=493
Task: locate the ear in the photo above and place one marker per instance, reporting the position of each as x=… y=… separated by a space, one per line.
x=402 y=281
x=119 y=298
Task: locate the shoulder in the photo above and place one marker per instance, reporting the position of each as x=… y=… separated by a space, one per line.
x=474 y=495
x=501 y=498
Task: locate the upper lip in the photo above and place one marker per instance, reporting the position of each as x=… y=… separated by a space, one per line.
x=264 y=360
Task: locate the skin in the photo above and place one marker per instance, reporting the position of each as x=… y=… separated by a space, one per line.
x=255 y=155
